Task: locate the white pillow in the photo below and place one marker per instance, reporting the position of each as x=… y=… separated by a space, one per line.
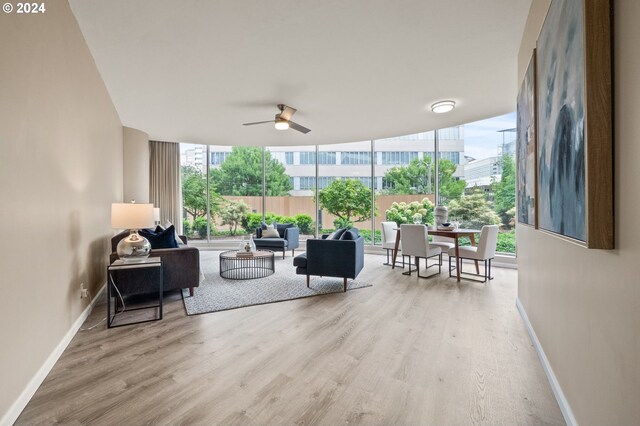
x=270 y=232
x=167 y=224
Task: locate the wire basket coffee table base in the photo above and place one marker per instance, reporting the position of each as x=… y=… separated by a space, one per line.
x=246 y=268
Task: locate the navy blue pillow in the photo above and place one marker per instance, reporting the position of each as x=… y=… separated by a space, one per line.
x=338 y=234
x=162 y=239
x=348 y=235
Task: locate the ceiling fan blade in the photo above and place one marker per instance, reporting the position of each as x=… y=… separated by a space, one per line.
x=296 y=126
x=287 y=112
x=258 y=122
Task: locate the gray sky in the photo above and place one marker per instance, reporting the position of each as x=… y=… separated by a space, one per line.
x=481 y=138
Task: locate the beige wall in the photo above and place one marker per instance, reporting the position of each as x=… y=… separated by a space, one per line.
x=136 y=165
x=584 y=305
x=60 y=169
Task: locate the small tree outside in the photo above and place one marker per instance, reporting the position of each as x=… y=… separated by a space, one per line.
x=473 y=211
x=450 y=187
x=194 y=199
x=241 y=174
x=417 y=178
x=194 y=191
x=505 y=191
x=348 y=200
x=233 y=213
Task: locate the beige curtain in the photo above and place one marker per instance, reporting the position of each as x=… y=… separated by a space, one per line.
x=164 y=181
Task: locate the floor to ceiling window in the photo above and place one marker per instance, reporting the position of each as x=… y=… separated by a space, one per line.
x=289 y=185
x=234 y=192
x=405 y=190
x=358 y=184
x=193 y=176
x=345 y=187
x=482 y=190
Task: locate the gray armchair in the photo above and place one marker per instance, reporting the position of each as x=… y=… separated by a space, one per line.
x=289 y=240
x=331 y=258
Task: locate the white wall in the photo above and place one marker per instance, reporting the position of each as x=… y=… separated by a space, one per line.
x=60 y=170
x=584 y=305
x=136 y=165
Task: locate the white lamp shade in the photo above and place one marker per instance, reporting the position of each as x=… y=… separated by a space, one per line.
x=131 y=216
x=156 y=214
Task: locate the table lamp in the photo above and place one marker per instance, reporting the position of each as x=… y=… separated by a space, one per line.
x=132 y=216
x=156 y=215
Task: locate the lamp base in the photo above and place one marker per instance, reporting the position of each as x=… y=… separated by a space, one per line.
x=133 y=248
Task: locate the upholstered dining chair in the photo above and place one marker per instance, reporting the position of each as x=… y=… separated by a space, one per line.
x=389 y=234
x=445 y=243
x=415 y=242
x=485 y=251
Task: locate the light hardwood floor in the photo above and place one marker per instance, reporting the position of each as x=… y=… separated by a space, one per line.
x=406 y=351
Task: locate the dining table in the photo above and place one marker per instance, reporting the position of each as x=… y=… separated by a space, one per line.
x=454 y=234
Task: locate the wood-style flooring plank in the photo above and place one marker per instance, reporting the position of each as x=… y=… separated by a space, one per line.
x=405 y=351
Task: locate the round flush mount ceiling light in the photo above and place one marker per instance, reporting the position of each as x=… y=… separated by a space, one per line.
x=282 y=124
x=443 y=106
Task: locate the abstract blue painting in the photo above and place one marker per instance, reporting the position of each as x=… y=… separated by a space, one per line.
x=526 y=147
x=561 y=119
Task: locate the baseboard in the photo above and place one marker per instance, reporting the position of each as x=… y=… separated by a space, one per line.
x=14 y=412
x=553 y=381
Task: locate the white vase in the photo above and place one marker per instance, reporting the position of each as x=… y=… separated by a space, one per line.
x=252 y=243
x=440 y=215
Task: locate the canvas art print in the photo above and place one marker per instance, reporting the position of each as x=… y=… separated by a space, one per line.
x=526 y=147
x=561 y=120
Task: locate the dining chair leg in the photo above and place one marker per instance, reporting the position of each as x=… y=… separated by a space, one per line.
x=409 y=271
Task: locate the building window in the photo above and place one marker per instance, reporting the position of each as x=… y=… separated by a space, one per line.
x=454 y=157
x=218 y=158
x=355 y=157
x=307 y=182
x=288 y=158
x=398 y=157
x=307 y=157
x=325 y=181
x=366 y=180
x=327 y=157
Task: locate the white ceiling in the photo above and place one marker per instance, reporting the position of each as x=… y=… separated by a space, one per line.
x=195 y=70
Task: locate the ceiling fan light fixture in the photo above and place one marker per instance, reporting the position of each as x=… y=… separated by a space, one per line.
x=282 y=124
x=443 y=106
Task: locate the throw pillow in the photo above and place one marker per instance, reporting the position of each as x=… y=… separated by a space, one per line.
x=264 y=225
x=338 y=233
x=348 y=235
x=161 y=240
x=270 y=232
x=166 y=225
x=282 y=227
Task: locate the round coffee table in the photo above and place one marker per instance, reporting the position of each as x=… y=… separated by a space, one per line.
x=234 y=267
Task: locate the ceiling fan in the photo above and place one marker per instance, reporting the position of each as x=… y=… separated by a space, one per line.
x=283 y=120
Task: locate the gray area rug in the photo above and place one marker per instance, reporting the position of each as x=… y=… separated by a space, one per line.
x=219 y=294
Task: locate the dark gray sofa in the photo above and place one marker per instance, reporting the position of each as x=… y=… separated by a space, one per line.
x=331 y=258
x=180 y=269
x=289 y=240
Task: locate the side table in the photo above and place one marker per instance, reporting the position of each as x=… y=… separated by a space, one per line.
x=149 y=268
